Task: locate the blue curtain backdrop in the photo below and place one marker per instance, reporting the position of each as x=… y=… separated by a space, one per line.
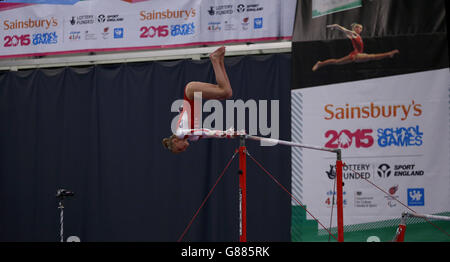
x=97 y=131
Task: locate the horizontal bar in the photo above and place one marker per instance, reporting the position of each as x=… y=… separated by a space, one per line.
x=293 y=144
x=425 y=216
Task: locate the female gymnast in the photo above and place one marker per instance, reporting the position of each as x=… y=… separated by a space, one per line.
x=357 y=54
x=187 y=122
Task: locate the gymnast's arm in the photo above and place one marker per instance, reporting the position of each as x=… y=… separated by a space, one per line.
x=347 y=32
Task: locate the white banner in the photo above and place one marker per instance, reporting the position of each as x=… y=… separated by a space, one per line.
x=393 y=131
x=111 y=25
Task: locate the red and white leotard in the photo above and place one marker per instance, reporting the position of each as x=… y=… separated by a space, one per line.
x=188 y=124
x=358 y=46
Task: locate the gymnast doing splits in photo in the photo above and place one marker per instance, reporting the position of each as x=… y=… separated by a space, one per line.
x=357 y=55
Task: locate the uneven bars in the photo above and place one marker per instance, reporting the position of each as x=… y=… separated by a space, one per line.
x=231 y=133
x=339 y=182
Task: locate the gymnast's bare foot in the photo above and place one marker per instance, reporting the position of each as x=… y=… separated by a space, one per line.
x=218 y=54
x=393 y=52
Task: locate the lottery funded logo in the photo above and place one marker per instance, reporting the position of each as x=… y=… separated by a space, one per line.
x=351 y=171
x=220 y=10
x=82 y=20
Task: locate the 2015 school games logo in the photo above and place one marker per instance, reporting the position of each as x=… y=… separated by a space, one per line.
x=221 y=10
x=393 y=136
x=410 y=136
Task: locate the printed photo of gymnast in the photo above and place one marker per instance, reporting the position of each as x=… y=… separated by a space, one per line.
x=357 y=55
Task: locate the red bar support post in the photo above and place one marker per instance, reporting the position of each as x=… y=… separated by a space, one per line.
x=400 y=234
x=340 y=198
x=242 y=191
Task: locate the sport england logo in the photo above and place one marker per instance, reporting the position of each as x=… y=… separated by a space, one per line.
x=109 y=18
x=399 y=170
x=416 y=196
x=384 y=170
x=241 y=8
x=101 y=18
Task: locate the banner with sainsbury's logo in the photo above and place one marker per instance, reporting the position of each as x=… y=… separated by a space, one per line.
x=394 y=136
x=32 y=28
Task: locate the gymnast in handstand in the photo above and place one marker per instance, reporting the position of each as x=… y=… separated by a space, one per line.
x=187 y=127
x=357 y=55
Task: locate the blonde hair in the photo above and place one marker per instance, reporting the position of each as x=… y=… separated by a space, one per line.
x=356 y=24
x=168 y=142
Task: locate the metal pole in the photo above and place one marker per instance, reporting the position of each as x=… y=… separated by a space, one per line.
x=289 y=143
x=426 y=216
x=400 y=234
x=61 y=220
x=242 y=191
x=340 y=198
